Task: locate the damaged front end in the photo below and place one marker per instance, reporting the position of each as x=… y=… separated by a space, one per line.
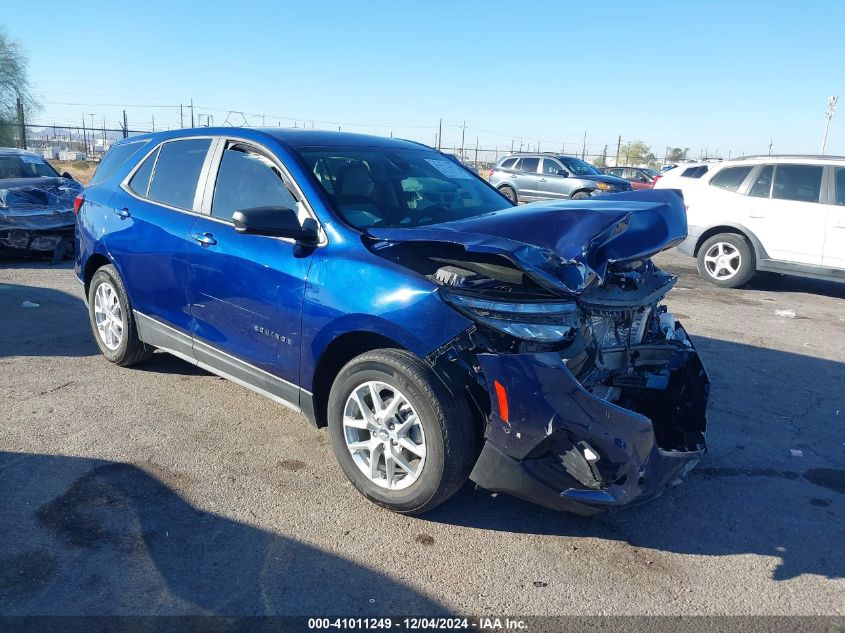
x=36 y=216
x=593 y=393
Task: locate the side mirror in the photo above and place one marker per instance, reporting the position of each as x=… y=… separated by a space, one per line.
x=275 y=222
x=68 y=176
x=562 y=172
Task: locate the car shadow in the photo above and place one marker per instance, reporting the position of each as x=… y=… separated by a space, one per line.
x=749 y=495
x=84 y=536
x=39 y=321
x=774 y=282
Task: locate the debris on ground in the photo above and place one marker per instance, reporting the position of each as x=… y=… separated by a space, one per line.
x=796 y=452
x=789 y=314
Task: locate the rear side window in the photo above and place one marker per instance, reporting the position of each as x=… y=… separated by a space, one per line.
x=798 y=182
x=694 y=172
x=248 y=179
x=114 y=158
x=730 y=178
x=177 y=172
x=762 y=183
x=839 y=179
x=140 y=182
x=509 y=163
x=529 y=164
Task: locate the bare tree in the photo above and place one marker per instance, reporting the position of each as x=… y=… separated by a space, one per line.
x=14 y=85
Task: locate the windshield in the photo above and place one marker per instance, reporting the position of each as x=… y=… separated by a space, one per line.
x=649 y=172
x=579 y=167
x=25 y=166
x=390 y=188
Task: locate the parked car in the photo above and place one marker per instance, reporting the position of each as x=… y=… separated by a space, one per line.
x=36 y=205
x=639 y=177
x=394 y=296
x=529 y=177
x=783 y=214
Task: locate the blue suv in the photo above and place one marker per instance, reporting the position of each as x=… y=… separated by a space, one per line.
x=385 y=291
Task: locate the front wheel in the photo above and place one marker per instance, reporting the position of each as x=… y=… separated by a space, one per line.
x=400 y=437
x=580 y=195
x=726 y=260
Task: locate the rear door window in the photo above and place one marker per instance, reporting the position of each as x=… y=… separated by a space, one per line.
x=762 y=186
x=839 y=181
x=177 y=172
x=731 y=178
x=248 y=179
x=798 y=182
x=140 y=182
x=509 y=163
x=529 y=165
x=114 y=158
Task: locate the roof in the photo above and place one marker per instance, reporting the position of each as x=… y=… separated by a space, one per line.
x=776 y=157
x=13 y=151
x=293 y=137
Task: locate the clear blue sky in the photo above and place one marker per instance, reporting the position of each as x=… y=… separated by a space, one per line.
x=723 y=75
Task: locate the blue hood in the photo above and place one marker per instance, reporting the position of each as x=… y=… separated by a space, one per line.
x=565 y=245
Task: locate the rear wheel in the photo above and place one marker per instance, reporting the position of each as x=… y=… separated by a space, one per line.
x=112 y=320
x=400 y=437
x=509 y=193
x=726 y=260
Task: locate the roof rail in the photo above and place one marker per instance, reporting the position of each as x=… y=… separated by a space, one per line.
x=811 y=156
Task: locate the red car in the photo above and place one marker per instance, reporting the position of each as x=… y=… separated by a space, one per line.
x=639 y=177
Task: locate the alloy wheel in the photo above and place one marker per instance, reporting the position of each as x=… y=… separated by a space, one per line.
x=722 y=261
x=384 y=435
x=108 y=316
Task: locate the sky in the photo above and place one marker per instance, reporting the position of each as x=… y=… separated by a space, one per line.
x=726 y=77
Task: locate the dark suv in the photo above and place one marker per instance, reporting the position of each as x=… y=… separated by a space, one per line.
x=529 y=177
x=392 y=295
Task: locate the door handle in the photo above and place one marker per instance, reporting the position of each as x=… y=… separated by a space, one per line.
x=542 y=180
x=756 y=215
x=123 y=213
x=206 y=239
x=513 y=175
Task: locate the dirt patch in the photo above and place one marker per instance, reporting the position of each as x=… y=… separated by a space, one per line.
x=291 y=465
x=424 y=539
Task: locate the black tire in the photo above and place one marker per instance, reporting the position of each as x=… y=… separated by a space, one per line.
x=746 y=267
x=580 y=195
x=131 y=350
x=450 y=431
x=509 y=192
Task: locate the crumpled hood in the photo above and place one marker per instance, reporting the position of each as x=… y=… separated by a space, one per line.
x=37 y=204
x=565 y=245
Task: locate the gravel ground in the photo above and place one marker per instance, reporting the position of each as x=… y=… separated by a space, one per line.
x=165 y=490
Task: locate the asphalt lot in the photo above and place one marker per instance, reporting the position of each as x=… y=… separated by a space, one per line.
x=165 y=490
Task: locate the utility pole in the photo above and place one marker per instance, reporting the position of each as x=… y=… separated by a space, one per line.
x=181 y=120
x=831 y=110
x=770 y=147
x=84 y=136
x=476 y=152
x=618 y=149
x=22 y=123
x=125 y=125
x=192 y=112
x=512 y=141
x=440 y=135
x=584 y=147
x=463 y=134
x=154 y=124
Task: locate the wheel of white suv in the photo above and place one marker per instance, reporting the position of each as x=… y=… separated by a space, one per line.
x=112 y=320
x=509 y=193
x=726 y=260
x=398 y=434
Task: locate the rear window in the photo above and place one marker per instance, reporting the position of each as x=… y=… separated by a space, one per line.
x=140 y=182
x=114 y=158
x=798 y=182
x=694 y=172
x=839 y=178
x=730 y=178
x=25 y=166
x=177 y=172
x=529 y=164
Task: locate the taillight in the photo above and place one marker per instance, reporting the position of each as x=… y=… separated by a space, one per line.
x=77 y=203
x=656 y=178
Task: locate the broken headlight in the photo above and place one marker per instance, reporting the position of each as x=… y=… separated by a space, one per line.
x=538 y=321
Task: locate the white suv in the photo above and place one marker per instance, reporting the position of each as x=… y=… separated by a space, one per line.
x=783 y=214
